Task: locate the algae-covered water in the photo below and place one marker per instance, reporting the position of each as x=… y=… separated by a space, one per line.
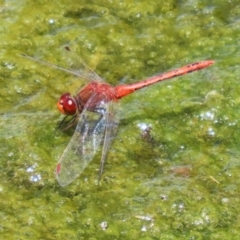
x=177 y=180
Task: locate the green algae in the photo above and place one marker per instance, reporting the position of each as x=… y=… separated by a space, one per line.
x=179 y=182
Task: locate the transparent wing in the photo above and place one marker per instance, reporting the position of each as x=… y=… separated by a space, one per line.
x=112 y=120
x=84 y=143
x=78 y=67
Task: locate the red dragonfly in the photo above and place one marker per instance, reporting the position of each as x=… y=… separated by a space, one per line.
x=95 y=112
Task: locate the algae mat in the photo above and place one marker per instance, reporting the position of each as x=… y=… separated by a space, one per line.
x=180 y=179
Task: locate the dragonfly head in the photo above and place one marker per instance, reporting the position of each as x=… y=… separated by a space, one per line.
x=67 y=104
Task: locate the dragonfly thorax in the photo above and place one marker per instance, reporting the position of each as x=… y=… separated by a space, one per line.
x=67 y=104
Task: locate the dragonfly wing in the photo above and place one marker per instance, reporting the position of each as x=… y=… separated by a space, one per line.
x=112 y=120
x=83 y=145
x=79 y=67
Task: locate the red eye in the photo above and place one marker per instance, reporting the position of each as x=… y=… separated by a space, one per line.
x=67 y=104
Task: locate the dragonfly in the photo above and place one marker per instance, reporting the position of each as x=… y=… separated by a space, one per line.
x=93 y=110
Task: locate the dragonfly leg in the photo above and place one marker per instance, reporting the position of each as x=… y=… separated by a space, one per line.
x=67 y=123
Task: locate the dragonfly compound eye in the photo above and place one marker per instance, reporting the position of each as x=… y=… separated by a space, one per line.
x=67 y=104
